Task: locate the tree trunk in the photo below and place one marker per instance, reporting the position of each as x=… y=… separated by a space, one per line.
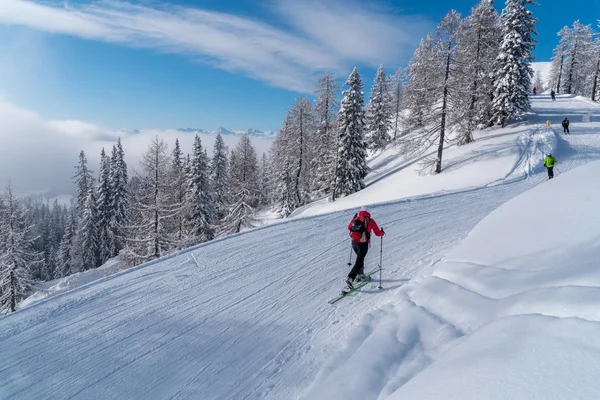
x=573 y=60
x=596 y=79
x=562 y=61
x=438 y=166
x=299 y=173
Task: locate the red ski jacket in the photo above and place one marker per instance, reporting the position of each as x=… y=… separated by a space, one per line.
x=371 y=226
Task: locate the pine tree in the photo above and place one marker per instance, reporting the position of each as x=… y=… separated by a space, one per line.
x=65 y=258
x=17 y=256
x=218 y=176
x=84 y=181
x=105 y=210
x=88 y=235
x=479 y=45
x=513 y=74
x=243 y=184
x=199 y=196
x=178 y=178
x=352 y=159
x=120 y=197
x=379 y=112
x=281 y=170
x=326 y=138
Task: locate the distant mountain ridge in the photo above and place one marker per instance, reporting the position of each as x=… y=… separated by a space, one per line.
x=224 y=131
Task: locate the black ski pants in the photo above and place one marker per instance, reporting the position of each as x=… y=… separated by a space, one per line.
x=361 y=250
x=566 y=129
x=550 y=172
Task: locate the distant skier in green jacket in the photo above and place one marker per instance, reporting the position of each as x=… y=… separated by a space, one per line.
x=549 y=163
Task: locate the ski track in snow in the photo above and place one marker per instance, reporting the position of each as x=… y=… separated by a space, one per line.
x=247 y=317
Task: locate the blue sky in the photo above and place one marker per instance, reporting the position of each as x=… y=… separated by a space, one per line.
x=205 y=64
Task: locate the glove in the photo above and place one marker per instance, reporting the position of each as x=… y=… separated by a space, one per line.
x=382 y=231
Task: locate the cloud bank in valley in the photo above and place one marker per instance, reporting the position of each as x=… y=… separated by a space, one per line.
x=39 y=155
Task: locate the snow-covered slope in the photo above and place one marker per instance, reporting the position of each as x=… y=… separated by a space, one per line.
x=511 y=313
x=247 y=317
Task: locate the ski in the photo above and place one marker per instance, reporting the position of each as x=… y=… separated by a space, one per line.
x=346 y=291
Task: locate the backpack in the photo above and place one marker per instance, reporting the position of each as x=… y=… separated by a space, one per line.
x=358 y=229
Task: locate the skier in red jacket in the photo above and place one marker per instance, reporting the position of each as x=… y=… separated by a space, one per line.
x=360 y=231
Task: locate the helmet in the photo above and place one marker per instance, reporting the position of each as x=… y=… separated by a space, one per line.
x=549 y=154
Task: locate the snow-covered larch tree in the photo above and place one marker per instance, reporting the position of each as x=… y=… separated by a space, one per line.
x=478 y=47
x=243 y=186
x=397 y=84
x=325 y=138
x=352 y=165
x=578 y=66
x=153 y=210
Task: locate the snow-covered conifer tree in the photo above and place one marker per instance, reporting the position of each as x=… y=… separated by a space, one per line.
x=84 y=181
x=64 y=259
x=178 y=178
x=120 y=197
x=104 y=210
x=243 y=186
x=352 y=152
x=281 y=170
x=326 y=138
x=87 y=247
x=17 y=256
x=379 y=112
x=218 y=176
x=199 y=196
x=513 y=65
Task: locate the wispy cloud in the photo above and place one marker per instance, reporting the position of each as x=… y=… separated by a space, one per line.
x=39 y=154
x=319 y=35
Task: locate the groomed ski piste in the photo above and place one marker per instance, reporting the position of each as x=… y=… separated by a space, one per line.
x=491 y=290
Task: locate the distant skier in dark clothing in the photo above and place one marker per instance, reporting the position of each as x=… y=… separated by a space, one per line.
x=565 y=125
x=553 y=94
x=360 y=231
x=534 y=91
x=549 y=163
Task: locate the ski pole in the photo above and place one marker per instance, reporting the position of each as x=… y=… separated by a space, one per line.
x=380 y=262
x=350 y=260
